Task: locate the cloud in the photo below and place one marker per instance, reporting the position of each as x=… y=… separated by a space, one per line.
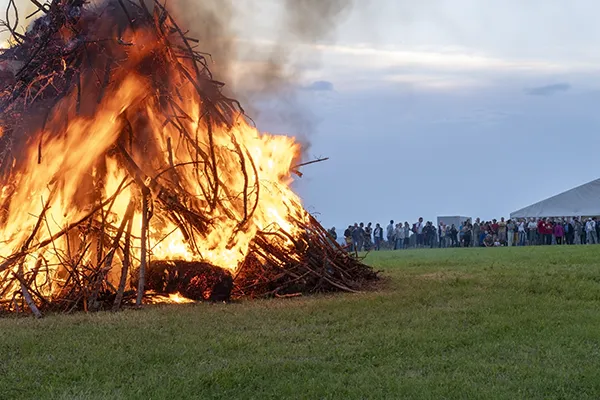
x=320 y=86
x=440 y=68
x=443 y=58
x=435 y=80
x=548 y=90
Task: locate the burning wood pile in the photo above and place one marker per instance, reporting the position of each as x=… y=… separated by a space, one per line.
x=127 y=173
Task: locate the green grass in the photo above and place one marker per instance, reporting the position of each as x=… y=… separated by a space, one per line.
x=465 y=323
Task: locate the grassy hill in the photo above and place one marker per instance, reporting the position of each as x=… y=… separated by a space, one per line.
x=462 y=323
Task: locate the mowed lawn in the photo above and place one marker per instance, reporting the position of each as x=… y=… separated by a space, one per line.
x=463 y=323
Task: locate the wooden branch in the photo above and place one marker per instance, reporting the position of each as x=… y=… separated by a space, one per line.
x=125 y=267
x=39 y=5
x=29 y=300
x=109 y=257
x=295 y=168
x=144 y=248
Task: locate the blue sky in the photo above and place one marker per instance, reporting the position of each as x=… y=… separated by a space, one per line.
x=437 y=107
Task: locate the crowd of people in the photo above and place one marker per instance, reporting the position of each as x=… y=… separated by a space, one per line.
x=517 y=232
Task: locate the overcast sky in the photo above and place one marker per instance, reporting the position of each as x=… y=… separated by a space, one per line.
x=455 y=107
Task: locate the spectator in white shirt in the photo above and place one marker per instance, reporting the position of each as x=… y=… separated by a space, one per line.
x=590 y=230
x=419 y=232
x=390 y=235
x=532 y=226
x=522 y=233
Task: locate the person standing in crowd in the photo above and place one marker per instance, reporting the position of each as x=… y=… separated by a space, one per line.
x=430 y=234
x=406 y=235
x=569 y=231
x=426 y=235
x=467 y=233
x=541 y=229
x=584 y=238
x=559 y=233
x=563 y=222
x=419 y=232
x=442 y=234
x=485 y=229
x=548 y=231
x=378 y=236
x=390 y=235
x=447 y=237
x=590 y=231
x=577 y=228
x=532 y=226
x=361 y=237
x=476 y=232
x=357 y=237
x=368 y=242
x=398 y=237
x=510 y=228
x=502 y=235
x=332 y=233
x=331 y=236
x=454 y=235
x=348 y=237
x=494 y=229
x=522 y=232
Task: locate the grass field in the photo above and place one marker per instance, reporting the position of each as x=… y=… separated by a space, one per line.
x=464 y=323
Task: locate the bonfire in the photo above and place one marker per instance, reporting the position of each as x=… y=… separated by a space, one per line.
x=128 y=176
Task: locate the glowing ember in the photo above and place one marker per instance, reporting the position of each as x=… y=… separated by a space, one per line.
x=173 y=298
x=179 y=299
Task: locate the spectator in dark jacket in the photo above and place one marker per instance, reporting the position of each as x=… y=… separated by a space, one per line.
x=378 y=236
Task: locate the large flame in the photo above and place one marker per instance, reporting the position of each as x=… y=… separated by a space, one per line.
x=74 y=166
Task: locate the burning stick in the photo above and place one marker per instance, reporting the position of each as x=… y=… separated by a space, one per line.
x=309 y=162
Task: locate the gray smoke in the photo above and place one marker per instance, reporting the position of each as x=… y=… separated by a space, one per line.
x=313 y=20
x=266 y=75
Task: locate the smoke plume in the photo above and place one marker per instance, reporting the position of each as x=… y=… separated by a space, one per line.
x=264 y=73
